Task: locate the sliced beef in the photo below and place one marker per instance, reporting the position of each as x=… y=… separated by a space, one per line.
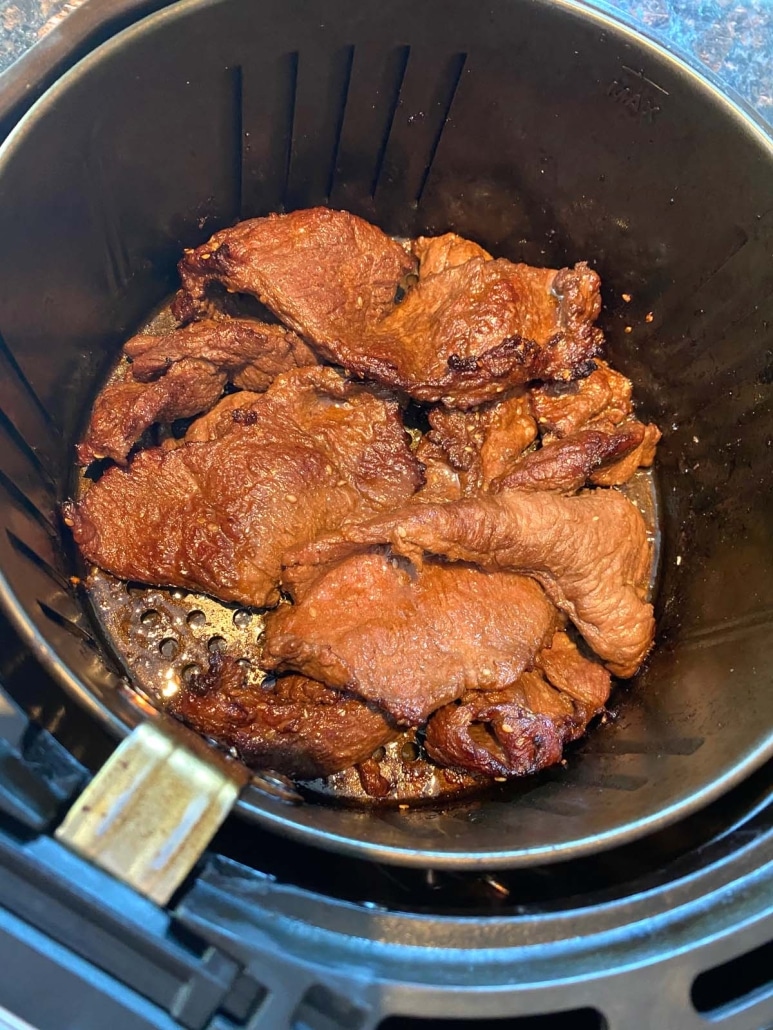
x=125 y=408
x=181 y=373
x=293 y=725
x=407 y=639
x=217 y=516
x=484 y=443
x=251 y=353
x=442 y=482
x=327 y=274
x=568 y=464
x=463 y=334
x=438 y=253
x=590 y=553
x=233 y=409
x=563 y=408
x=641 y=456
x=524 y=727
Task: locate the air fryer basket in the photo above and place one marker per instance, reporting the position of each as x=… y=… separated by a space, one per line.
x=545 y=131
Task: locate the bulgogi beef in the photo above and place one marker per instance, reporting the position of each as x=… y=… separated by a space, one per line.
x=429 y=585
x=408 y=639
x=293 y=725
x=182 y=373
x=522 y=728
x=462 y=334
x=563 y=542
x=218 y=516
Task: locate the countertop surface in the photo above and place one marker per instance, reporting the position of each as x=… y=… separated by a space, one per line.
x=734 y=38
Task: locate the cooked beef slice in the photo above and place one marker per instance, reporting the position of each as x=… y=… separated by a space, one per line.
x=524 y=727
x=485 y=442
x=568 y=464
x=181 y=373
x=217 y=516
x=463 y=335
x=590 y=553
x=293 y=725
x=563 y=408
x=641 y=456
x=407 y=639
x=438 y=253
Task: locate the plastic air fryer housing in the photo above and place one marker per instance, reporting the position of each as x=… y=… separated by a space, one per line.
x=549 y=134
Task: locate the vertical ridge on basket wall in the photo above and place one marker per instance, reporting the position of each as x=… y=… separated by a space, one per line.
x=320 y=100
x=374 y=91
x=427 y=94
x=267 y=105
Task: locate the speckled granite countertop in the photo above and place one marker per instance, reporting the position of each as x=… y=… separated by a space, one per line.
x=734 y=38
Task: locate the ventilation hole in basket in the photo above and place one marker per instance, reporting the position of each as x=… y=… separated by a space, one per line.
x=244 y=663
x=215 y=644
x=150 y=617
x=179 y=595
x=196 y=618
x=409 y=752
x=168 y=647
x=189 y=672
x=379 y=754
x=242 y=618
x=136 y=589
x=573 y=1019
x=746 y=977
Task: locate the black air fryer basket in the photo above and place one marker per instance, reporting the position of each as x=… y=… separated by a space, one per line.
x=549 y=135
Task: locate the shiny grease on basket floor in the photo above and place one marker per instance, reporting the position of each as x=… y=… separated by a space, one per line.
x=446 y=605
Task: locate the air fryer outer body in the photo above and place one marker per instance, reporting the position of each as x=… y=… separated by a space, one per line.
x=545 y=132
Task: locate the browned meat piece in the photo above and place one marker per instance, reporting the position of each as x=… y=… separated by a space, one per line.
x=125 y=408
x=469 y=333
x=486 y=442
x=523 y=728
x=568 y=464
x=235 y=408
x=297 y=727
x=641 y=457
x=590 y=553
x=218 y=516
x=463 y=335
x=327 y=274
x=181 y=373
x=252 y=354
x=564 y=408
x=437 y=253
x=408 y=640
x=585 y=681
x=441 y=481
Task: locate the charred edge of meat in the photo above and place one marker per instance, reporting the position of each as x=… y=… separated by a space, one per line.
x=244 y=416
x=498 y=738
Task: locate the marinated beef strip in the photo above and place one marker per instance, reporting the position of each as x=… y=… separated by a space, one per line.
x=524 y=727
x=408 y=639
x=462 y=334
x=590 y=553
x=182 y=373
x=327 y=274
x=569 y=464
x=294 y=726
x=563 y=408
x=125 y=408
x=218 y=515
x=439 y=253
x=482 y=444
x=571 y=414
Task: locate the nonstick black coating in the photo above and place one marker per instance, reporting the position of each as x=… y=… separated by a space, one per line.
x=549 y=133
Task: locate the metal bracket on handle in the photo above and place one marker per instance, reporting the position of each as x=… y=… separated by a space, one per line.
x=150 y=812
